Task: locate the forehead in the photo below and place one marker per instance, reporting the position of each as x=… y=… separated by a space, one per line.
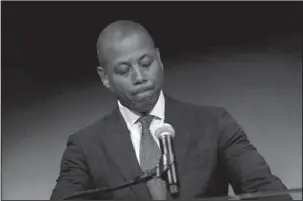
x=129 y=48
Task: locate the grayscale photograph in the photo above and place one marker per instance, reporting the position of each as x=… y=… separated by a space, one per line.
x=151 y=100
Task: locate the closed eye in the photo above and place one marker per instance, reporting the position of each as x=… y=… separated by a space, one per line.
x=122 y=69
x=146 y=62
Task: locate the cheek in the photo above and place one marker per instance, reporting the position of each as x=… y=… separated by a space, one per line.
x=120 y=84
x=156 y=74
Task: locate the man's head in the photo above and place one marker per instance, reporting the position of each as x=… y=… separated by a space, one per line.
x=130 y=65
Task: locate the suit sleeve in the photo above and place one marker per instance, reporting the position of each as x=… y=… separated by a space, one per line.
x=247 y=170
x=74 y=175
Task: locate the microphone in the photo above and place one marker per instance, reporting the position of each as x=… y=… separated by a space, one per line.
x=165 y=134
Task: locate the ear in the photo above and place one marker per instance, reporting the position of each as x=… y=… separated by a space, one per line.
x=159 y=57
x=103 y=75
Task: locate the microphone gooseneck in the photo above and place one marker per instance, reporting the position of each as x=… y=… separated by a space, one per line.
x=147 y=175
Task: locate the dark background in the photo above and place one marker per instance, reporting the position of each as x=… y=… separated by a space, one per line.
x=48 y=45
x=245 y=56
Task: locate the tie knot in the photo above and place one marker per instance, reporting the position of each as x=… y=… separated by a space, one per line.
x=146 y=120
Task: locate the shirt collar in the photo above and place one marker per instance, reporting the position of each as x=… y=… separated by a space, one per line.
x=131 y=118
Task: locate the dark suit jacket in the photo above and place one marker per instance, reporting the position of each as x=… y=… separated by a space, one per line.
x=211 y=150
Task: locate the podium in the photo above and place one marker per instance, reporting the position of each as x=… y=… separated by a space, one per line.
x=291 y=194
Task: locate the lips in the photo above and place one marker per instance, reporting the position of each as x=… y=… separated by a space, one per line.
x=144 y=92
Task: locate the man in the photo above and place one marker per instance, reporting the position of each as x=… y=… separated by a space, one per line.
x=211 y=149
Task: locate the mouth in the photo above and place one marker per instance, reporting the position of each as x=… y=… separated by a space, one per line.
x=144 y=92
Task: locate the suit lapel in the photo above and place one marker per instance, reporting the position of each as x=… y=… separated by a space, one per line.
x=117 y=142
x=175 y=114
x=119 y=146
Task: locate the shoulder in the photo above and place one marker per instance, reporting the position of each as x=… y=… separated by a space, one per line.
x=93 y=130
x=196 y=110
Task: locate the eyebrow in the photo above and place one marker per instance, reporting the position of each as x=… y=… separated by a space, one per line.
x=140 y=58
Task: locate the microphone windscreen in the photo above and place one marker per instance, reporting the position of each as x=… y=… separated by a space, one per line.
x=165 y=129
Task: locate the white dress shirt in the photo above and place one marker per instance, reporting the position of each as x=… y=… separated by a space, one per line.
x=135 y=128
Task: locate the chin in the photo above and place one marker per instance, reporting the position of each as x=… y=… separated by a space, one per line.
x=145 y=107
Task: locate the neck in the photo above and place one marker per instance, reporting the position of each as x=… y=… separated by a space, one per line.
x=143 y=113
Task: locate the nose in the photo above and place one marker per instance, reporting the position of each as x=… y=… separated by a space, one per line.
x=138 y=75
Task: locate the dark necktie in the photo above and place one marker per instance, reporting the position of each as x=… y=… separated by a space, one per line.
x=149 y=158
